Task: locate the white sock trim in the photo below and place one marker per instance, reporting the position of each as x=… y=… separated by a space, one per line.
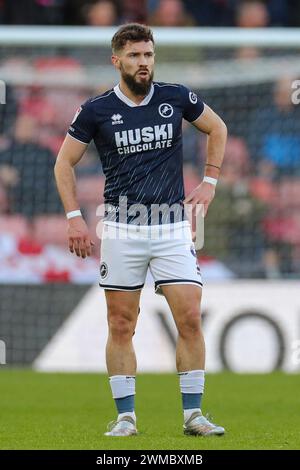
x=122 y=385
x=188 y=413
x=128 y=413
x=192 y=381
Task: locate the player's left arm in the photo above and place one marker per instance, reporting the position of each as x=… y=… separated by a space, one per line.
x=212 y=125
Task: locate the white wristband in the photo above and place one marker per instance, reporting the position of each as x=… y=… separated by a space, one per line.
x=208 y=179
x=72 y=214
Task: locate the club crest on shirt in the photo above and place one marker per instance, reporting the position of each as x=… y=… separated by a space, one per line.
x=165 y=110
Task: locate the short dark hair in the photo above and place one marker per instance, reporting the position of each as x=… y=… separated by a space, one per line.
x=134 y=32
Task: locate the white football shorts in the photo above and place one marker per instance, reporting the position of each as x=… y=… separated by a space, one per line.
x=127 y=251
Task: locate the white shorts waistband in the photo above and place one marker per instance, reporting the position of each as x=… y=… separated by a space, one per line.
x=178 y=230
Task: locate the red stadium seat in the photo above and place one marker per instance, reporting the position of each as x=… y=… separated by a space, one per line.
x=263 y=190
x=14 y=224
x=90 y=190
x=286 y=229
x=57 y=63
x=51 y=229
x=289 y=194
x=191 y=179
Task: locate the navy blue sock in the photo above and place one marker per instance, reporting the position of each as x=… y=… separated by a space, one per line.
x=191 y=400
x=125 y=404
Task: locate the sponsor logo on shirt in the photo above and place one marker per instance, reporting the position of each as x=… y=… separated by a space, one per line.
x=193 y=97
x=147 y=138
x=76 y=114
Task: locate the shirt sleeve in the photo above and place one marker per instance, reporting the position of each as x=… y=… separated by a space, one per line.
x=192 y=106
x=83 y=125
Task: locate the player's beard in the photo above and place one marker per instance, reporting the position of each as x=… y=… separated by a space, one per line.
x=141 y=88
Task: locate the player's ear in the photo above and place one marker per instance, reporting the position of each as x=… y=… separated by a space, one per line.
x=115 y=61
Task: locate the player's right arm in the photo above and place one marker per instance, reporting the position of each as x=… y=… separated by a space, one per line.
x=69 y=155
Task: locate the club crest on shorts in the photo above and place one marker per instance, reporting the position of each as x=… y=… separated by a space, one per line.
x=103 y=270
x=193 y=251
x=165 y=110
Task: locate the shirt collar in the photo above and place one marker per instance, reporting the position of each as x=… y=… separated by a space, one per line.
x=128 y=101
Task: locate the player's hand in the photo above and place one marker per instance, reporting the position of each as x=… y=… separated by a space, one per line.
x=202 y=194
x=79 y=238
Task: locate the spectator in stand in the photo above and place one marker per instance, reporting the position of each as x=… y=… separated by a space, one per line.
x=275 y=150
x=134 y=11
x=294 y=13
x=204 y=12
x=277 y=134
x=233 y=231
x=279 y=12
x=8 y=179
x=252 y=14
x=72 y=12
x=225 y=12
x=31 y=190
x=91 y=12
x=53 y=106
x=32 y=12
x=193 y=154
x=8 y=112
x=212 y=12
x=260 y=14
x=171 y=13
x=101 y=13
x=282 y=228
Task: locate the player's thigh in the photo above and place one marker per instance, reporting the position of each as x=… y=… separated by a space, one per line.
x=174 y=262
x=122 y=305
x=184 y=301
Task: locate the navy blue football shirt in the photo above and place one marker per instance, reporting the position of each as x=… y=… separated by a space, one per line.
x=140 y=146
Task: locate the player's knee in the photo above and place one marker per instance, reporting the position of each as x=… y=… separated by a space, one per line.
x=190 y=325
x=120 y=329
x=121 y=324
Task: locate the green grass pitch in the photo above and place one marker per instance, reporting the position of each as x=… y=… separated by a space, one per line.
x=71 y=411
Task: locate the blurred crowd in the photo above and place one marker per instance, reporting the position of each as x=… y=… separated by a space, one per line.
x=240 y=13
x=253 y=226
